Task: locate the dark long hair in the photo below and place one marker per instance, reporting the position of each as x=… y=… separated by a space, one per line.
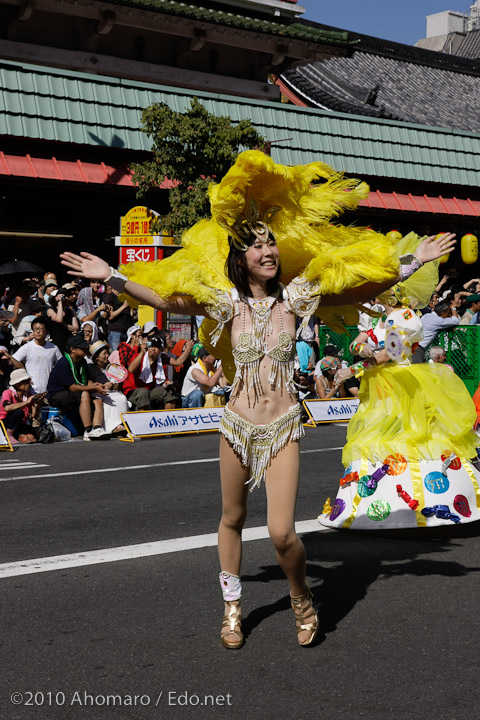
x=237 y=272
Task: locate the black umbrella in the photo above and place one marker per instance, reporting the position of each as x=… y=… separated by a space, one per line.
x=20 y=267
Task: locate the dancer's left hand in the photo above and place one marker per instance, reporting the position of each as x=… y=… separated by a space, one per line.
x=435 y=246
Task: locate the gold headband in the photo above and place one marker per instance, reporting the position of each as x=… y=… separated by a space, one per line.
x=244 y=227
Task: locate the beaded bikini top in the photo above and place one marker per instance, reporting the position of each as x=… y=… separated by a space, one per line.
x=300 y=297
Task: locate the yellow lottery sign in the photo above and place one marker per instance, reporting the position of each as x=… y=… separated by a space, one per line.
x=135 y=229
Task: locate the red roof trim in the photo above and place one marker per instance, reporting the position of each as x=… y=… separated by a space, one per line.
x=5 y=163
x=68 y=170
x=55 y=165
x=290 y=94
x=101 y=173
x=422 y=203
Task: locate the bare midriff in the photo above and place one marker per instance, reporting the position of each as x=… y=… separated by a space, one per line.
x=273 y=401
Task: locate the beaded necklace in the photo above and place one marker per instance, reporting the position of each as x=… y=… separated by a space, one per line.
x=253 y=345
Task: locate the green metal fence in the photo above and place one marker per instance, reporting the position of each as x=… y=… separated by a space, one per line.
x=462 y=346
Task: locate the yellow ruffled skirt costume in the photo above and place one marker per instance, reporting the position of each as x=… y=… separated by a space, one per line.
x=409 y=448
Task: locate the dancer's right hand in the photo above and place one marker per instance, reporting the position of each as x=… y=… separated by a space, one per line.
x=86 y=265
x=366 y=351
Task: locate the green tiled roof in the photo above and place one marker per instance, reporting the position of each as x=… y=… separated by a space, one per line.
x=234 y=18
x=73 y=107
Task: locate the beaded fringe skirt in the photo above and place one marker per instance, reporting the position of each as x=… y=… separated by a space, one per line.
x=258 y=445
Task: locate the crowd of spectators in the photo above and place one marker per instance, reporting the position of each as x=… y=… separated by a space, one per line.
x=58 y=341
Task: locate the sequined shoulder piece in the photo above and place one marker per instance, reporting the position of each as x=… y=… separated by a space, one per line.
x=222 y=311
x=303 y=297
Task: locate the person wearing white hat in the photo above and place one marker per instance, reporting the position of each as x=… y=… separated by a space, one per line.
x=129 y=349
x=150 y=327
x=18 y=406
x=51 y=286
x=134 y=330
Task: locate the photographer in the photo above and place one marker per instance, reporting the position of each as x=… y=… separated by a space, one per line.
x=118 y=318
x=89 y=306
x=146 y=385
x=62 y=320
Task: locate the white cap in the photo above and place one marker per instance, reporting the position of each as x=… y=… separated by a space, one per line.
x=132 y=329
x=149 y=326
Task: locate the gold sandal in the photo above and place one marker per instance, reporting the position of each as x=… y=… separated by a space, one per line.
x=305 y=616
x=232 y=625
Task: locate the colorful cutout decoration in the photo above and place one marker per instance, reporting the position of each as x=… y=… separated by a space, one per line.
x=456 y=463
x=337 y=508
x=436 y=483
x=363 y=489
x=460 y=503
x=442 y=512
x=411 y=502
x=327 y=508
x=397 y=464
x=349 y=478
x=379 y=510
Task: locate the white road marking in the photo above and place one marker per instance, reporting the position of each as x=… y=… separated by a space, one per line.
x=131 y=552
x=75 y=473
x=25 y=465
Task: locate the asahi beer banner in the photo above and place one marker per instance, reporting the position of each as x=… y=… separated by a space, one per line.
x=338 y=410
x=143 y=423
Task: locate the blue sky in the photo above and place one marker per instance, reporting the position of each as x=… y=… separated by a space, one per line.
x=398 y=20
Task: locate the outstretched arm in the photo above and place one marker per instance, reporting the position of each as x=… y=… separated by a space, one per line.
x=430 y=249
x=91 y=266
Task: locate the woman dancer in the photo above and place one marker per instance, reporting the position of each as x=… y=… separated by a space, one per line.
x=229 y=270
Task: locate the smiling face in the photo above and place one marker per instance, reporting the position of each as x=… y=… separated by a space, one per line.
x=95 y=285
x=262 y=259
x=101 y=358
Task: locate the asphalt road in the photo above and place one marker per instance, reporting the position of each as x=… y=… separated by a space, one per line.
x=138 y=638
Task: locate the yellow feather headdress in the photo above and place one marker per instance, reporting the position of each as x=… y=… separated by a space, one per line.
x=298 y=204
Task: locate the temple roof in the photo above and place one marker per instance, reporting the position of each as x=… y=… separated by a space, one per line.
x=390 y=80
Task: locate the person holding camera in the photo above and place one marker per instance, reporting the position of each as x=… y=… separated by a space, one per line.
x=63 y=321
x=147 y=386
x=118 y=319
x=89 y=305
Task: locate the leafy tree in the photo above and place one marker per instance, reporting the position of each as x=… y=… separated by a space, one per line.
x=192 y=149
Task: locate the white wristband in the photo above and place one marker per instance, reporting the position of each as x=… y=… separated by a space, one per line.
x=116 y=280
